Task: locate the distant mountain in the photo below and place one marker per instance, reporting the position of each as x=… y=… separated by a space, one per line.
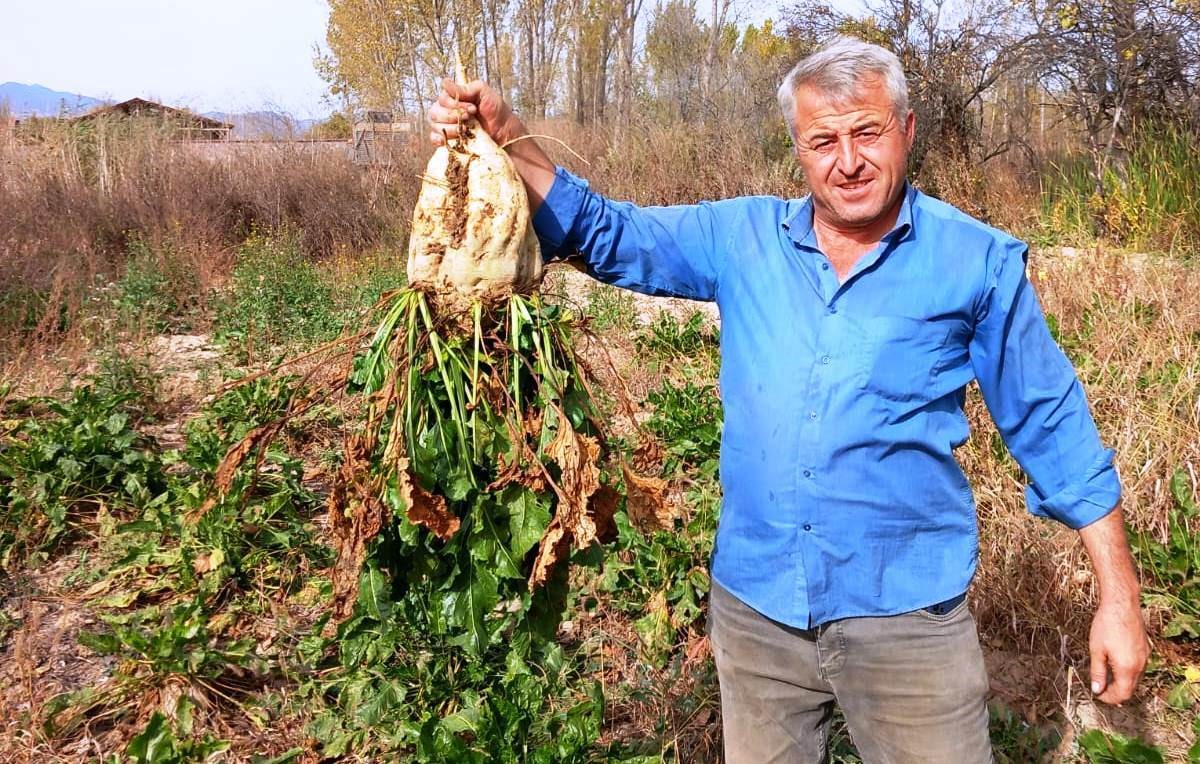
x=263 y=125
x=36 y=100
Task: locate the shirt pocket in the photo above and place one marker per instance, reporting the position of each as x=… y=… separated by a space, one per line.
x=901 y=357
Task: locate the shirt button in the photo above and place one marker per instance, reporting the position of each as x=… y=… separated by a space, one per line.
x=832 y=309
x=808 y=473
x=812 y=415
x=807 y=527
x=825 y=359
x=824 y=266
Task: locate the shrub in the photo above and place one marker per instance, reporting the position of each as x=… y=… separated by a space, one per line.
x=275 y=297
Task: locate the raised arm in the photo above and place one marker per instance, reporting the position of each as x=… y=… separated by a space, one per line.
x=678 y=250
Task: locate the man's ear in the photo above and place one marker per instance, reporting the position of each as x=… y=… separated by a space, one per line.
x=910 y=127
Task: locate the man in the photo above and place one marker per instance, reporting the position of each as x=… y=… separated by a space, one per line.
x=852 y=320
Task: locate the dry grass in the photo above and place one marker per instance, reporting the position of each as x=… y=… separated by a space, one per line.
x=74 y=198
x=676 y=163
x=1131 y=325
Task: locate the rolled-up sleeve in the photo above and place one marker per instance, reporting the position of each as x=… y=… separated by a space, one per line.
x=1036 y=399
x=677 y=251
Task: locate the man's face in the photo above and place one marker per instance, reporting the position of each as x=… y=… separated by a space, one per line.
x=853 y=153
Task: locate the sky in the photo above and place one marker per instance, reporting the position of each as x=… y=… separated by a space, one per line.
x=216 y=55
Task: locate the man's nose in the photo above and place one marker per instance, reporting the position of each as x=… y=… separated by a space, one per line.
x=848 y=160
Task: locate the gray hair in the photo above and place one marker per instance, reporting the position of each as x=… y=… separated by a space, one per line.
x=838 y=68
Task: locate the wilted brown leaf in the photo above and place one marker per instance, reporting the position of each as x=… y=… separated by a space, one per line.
x=646 y=501
x=697 y=651
x=530 y=473
x=234 y=459
x=577 y=456
x=553 y=547
x=533 y=425
x=424 y=508
x=356 y=515
x=602 y=507
x=207 y=562
x=648 y=455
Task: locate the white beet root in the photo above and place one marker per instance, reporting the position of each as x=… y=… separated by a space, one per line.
x=471 y=233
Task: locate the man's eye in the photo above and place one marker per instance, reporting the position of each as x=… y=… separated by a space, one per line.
x=867 y=136
x=822 y=144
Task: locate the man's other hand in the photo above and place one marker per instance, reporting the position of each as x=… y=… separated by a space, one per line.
x=1119 y=650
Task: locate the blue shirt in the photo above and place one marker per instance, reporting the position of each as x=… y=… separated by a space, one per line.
x=844 y=401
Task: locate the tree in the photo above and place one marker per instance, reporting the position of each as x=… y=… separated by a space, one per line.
x=593 y=43
x=541 y=29
x=371 y=60
x=389 y=54
x=675 y=41
x=336 y=126
x=1114 y=65
x=623 y=86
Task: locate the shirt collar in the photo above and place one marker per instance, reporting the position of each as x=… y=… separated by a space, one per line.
x=799 y=224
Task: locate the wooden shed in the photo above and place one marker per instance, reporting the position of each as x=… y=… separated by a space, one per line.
x=189 y=126
x=381 y=138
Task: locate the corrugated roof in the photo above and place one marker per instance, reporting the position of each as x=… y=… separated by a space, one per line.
x=136 y=105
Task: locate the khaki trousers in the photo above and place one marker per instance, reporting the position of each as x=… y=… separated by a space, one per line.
x=912 y=687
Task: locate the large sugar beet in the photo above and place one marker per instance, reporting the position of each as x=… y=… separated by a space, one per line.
x=471 y=235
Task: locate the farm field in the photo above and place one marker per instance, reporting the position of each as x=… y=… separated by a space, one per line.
x=260 y=503
x=129 y=632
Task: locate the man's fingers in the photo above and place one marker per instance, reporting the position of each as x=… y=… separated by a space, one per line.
x=1099 y=671
x=1120 y=689
x=444 y=118
x=468 y=93
x=448 y=102
x=439 y=134
x=1124 y=679
x=447 y=115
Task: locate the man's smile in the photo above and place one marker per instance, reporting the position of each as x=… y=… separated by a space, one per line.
x=854 y=187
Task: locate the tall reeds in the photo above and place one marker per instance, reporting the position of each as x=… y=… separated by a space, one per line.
x=1147 y=198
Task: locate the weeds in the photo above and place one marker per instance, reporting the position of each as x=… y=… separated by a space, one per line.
x=165 y=657
x=276 y=297
x=1015 y=741
x=178 y=597
x=164 y=742
x=663 y=576
x=1147 y=202
x=687 y=418
x=67 y=460
x=693 y=341
x=1100 y=747
x=1174 y=566
x=611 y=309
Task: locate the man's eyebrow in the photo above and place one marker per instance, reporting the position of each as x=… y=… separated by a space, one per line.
x=867 y=123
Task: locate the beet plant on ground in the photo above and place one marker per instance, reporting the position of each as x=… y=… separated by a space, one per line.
x=474 y=471
x=478 y=466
